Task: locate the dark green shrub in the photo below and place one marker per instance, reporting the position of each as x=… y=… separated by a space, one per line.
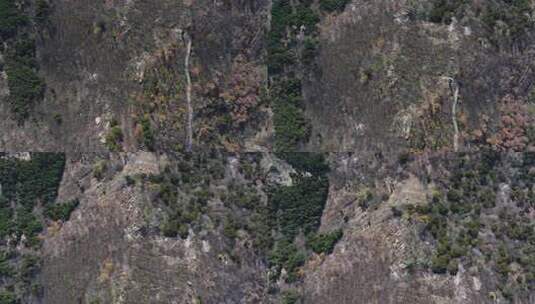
x=454 y=195
x=300 y=206
x=288 y=89
x=365 y=197
x=439 y=263
x=10 y=19
x=25 y=88
x=305 y=16
x=294 y=261
x=313 y=163
x=290 y=297
x=444 y=10
x=114 y=137
x=503 y=261
x=167 y=193
x=437 y=226
x=488 y=198
x=285 y=255
x=519 y=231
x=7 y=297
x=513 y=13
x=29 y=267
x=291 y=127
x=396 y=212
x=25 y=183
x=183 y=231
x=173 y=228
x=473 y=227
x=6 y=269
x=95 y=301
x=28 y=224
x=439 y=209
x=230 y=228
x=297 y=208
x=453 y=267
x=530 y=133
x=6 y=214
x=310 y=51
x=457 y=251
x=281 y=13
x=290 y=124
x=404 y=158
x=99 y=169
x=130 y=181
x=333 y=5
x=170 y=228
x=279 y=58
x=42 y=10
x=58 y=119
x=23 y=52
x=148 y=135
x=324 y=243
x=261 y=230
x=61 y=211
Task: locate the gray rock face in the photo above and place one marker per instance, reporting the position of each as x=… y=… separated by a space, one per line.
x=417 y=118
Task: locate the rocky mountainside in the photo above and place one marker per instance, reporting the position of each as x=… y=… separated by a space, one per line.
x=267 y=151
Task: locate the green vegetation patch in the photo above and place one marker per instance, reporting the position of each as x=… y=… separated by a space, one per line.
x=61 y=211
x=114 y=138
x=333 y=5
x=147 y=132
x=290 y=296
x=192 y=175
x=27 y=184
x=26 y=181
x=511 y=15
x=11 y=19
x=286 y=56
x=24 y=184
x=291 y=126
x=42 y=10
x=324 y=242
x=190 y=191
x=26 y=87
x=8 y=297
x=465 y=217
x=286 y=255
x=297 y=209
x=443 y=11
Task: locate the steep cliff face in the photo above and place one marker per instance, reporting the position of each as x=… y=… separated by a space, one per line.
x=256 y=151
x=110 y=251
x=120 y=246
x=394 y=251
x=370 y=75
x=115 y=75
x=270 y=228
x=387 y=72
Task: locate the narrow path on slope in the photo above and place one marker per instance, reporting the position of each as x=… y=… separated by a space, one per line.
x=189 y=128
x=454 y=87
x=454 y=118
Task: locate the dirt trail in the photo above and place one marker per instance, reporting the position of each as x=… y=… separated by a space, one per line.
x=189 y=127
x=454 y=87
